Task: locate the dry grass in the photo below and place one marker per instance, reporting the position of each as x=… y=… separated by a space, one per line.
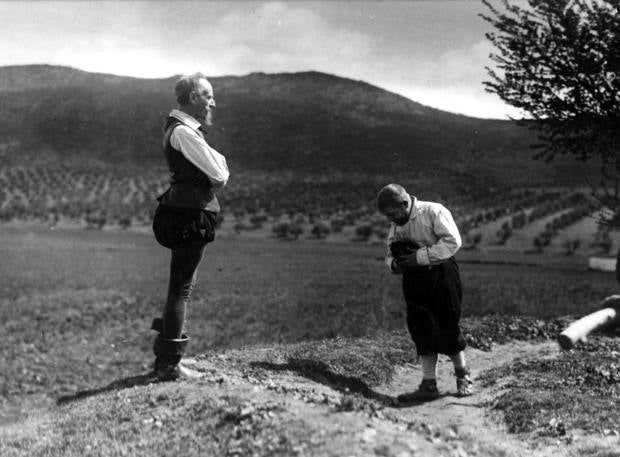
x=580 y=390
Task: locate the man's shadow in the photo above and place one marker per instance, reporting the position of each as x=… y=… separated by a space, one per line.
x=321 y=373
x=123 y=383
x=314 y=370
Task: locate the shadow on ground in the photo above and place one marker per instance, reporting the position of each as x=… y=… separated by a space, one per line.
x=124 y=383
x=321 y=373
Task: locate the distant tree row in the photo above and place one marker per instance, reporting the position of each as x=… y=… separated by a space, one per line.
x=510 y=203
x=552 y=228
x=316 y=207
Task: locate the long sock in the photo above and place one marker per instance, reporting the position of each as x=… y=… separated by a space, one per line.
x=458 y=359
x=429 y=366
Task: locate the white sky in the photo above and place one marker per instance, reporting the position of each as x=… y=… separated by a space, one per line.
x=433 y=52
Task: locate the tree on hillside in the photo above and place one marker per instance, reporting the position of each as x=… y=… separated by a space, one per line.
x=559 y=62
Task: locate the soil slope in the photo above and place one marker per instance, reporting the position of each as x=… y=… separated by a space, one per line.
x=254 y=401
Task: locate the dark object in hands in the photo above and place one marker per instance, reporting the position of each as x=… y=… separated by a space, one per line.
x=400 y=248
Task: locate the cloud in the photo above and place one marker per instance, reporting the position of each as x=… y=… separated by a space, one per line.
x=462 y=66
x=278 y=36
x=157 y=40
x=450 y=81
x=465 y=65
x=460 y=99
x=96 y=36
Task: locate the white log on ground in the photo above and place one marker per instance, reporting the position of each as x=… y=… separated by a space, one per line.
x=602 y=263
x=579 y=330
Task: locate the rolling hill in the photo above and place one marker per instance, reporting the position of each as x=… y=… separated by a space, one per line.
x=311 y=123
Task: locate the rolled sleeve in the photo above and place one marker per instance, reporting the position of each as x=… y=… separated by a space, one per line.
x=199 y=153
x=422 y=256
x=449 y=239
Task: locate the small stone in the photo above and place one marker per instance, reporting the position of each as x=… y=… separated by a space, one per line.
x=368 y=435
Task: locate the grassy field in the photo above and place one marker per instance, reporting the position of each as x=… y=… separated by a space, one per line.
x=314 y=289
x=87 y=298
x=76 y=305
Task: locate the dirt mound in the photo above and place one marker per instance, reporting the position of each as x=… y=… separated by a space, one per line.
x=259 y=401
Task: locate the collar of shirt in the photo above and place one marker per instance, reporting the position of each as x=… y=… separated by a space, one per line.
x=186 y=119
x=414 y=210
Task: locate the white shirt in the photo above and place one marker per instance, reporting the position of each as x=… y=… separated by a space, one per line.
x=189 y=140
x=431 y=225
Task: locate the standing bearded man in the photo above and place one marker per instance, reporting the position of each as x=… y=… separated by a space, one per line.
x=186 y=216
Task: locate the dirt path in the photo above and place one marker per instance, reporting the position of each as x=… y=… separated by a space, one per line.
x=469 y=418
x=321 y=413
x=446 y=426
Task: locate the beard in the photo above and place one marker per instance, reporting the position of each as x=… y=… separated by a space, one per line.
x=208 y=118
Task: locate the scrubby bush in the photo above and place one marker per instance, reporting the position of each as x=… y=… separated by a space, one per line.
x=124 y=222
x=320 y=230
x=281 y=230
x=380 y=232
x=258 y=219
x=504 y=233
x=363 y=232
x=472 y=240
x=541 y=241
x=296 y=230
x=602 y=239
x=519 y=220
x=570 y=246
x=337 y=224
x=96 y=221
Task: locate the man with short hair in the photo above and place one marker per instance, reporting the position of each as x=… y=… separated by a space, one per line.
x=186 y=216
x=422 y=241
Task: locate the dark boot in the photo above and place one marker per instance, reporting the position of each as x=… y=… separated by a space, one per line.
x=425 y=392
x=168 y=354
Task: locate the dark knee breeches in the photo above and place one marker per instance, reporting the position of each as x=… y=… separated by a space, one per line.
x=433 y=297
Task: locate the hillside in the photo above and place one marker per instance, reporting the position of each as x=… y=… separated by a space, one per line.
x=310 y=123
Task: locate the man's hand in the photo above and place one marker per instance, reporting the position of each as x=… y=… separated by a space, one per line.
x=395 y=268
x=408 y=261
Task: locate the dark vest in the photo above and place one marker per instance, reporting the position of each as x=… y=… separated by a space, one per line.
x=189 y=187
